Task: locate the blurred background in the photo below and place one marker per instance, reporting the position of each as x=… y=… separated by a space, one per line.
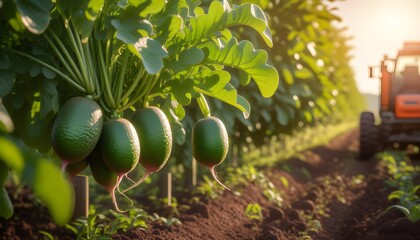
x=378 y=27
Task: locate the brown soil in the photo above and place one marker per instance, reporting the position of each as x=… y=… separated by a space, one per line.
x=329 y=195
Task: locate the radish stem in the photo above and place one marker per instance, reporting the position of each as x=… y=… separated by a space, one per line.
x=108 y=94
x=69 y=80
x=204 y=107
x=112 y=194
x=146 y=174
x=120 y=79
x=213 y=173
x=66 y=54
x=60 y=56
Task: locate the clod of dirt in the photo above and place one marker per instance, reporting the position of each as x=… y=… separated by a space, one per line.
x=301 y=227
x=293 y=215
x=405 y=225
x=156 y=232
x=273 y=225
x=274 y=213
x=311 y=195
x=199 y=209
x=189 y=218
x=120 y=237
x=386 y=227
x=312 y=233
x=391 y=214
x=307 y=205
x=268 y=235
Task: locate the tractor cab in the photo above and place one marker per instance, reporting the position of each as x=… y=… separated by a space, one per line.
x=399 y=104
x=407 y=86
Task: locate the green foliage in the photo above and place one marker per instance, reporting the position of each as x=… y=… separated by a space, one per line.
x=253 y=211
x=248 y=173
x=104 y=225
x=124 y=55
x=402 y=174
x=42 y=176
x=316 y=83
x=208 y=188
x=166 y=221
x=34 y=14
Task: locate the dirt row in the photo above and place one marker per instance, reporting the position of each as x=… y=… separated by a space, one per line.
x=329 y=195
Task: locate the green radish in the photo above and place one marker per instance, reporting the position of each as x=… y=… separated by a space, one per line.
x=103 y=175
x=76 y=129
x=119 y=146
x=210 y=143
x=6 y=206
x=155 y=138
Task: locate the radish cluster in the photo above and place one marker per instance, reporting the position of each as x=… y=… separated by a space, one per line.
x=111 y=149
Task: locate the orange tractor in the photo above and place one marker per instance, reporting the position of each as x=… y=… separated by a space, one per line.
x=399 y=111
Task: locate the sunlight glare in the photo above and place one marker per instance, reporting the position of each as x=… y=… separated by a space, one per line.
x=394 y=21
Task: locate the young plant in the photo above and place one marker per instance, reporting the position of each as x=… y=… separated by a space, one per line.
x=402 y=175
x=409 y=203
x=254 y=212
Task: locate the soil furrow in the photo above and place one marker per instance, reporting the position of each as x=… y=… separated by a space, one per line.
x=329 y=194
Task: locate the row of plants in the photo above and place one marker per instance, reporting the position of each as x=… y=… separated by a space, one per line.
x=317 y=86
x=402 y=178
x=131 y=55
x=74 y=73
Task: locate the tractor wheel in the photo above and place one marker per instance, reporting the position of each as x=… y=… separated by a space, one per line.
x=368 y=136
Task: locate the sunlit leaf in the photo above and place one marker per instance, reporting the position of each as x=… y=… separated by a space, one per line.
x=252 y=16
x=35 y=14
x=244 y=78
x=182 y=90
x=11 y=155
x=131 y=29
x=50 y=186
x=243 y=56
x=203 y=26
x=396 y=195
x=147 y=7
x=189 y=57
x=221 y=16
x=216 y=84
x=134 y=31
x=168 y=28
x=151 y=53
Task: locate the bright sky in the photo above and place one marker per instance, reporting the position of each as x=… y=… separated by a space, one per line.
x=379 y=27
